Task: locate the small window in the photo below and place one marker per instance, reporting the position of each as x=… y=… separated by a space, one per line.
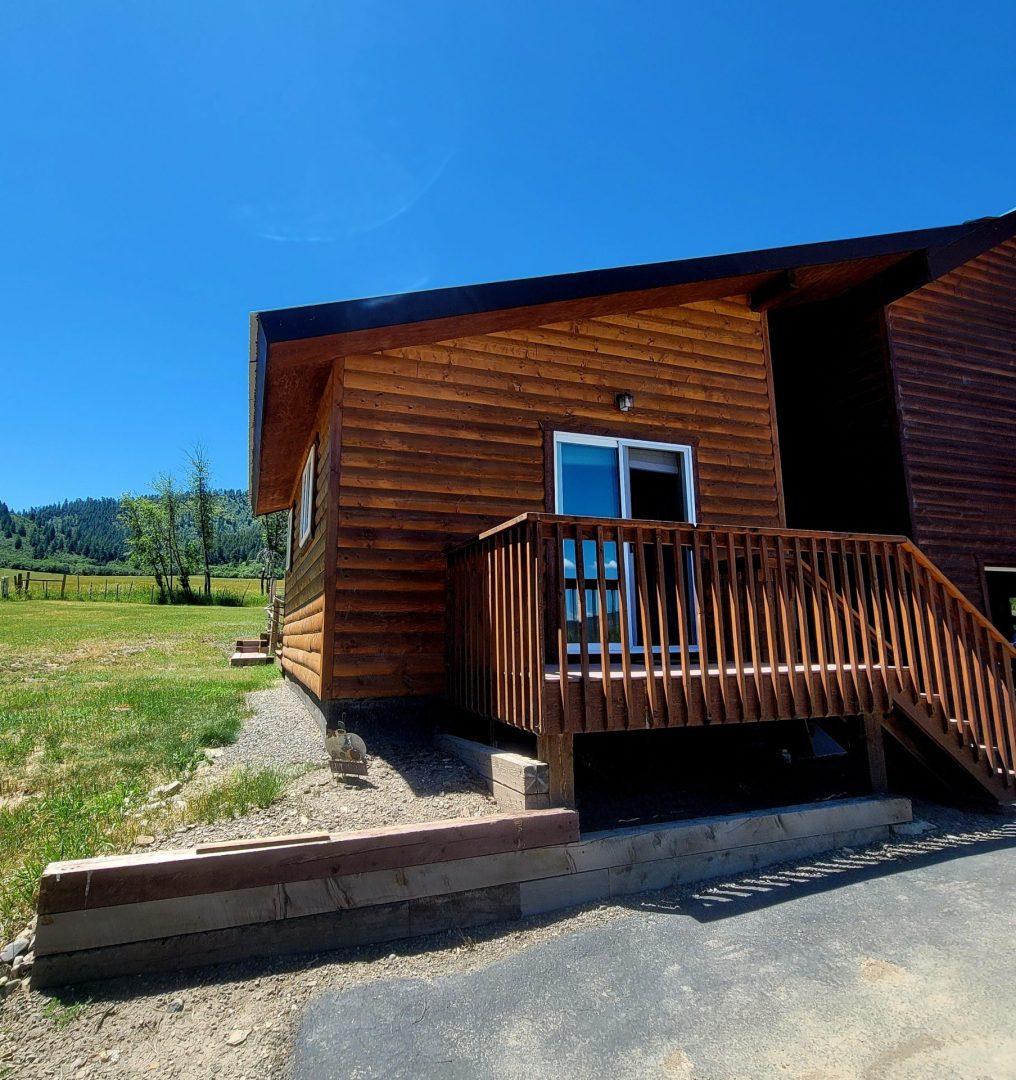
x=307 y=499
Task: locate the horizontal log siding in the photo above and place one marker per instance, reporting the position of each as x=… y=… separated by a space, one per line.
x=302 y=638
x=440 y=442
x=954 y=354
x=302 y=632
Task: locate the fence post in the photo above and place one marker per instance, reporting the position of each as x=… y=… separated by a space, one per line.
x=63 y=586
x=28 y=584
x=45 y=588
x=4 y=588
x=152 y=598
x=105 y=591
x=89 y=590
x=129 y=587
x=118 y=591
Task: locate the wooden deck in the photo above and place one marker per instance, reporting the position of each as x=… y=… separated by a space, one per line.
x=746 y=625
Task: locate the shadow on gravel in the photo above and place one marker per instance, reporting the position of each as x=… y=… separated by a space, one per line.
x=724 y=899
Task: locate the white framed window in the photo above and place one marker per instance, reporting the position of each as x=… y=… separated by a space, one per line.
x=605 y=477
x=307 y=499
x=600 y=476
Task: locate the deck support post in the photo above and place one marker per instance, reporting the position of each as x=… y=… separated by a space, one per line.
x=874 y=738
x=558 y=751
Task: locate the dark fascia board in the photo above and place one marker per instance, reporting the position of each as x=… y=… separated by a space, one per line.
x=256 y=404
x=372 y=313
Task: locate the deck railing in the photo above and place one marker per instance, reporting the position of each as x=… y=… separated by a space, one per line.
x=677 y=625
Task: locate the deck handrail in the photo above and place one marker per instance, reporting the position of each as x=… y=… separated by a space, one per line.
x=721 y=624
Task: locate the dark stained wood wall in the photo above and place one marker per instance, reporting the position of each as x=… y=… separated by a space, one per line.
x=954 y=354
x=835 y=404
x=303 y=628
x=442 y=441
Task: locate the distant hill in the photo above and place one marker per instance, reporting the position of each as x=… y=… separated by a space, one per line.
x=81 y=536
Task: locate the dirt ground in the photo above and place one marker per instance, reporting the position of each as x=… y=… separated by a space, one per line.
x=239 y=1021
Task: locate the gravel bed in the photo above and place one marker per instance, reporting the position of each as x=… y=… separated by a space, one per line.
x=407 y=781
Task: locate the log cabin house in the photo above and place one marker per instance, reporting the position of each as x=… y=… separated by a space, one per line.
x=784 y=480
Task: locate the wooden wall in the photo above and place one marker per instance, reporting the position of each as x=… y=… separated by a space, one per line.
x=954 y=354
x=836 y=408
x=440 y=442
x=303 y=628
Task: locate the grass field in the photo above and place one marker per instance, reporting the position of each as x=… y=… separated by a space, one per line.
x=99 y=702
x=133 y=588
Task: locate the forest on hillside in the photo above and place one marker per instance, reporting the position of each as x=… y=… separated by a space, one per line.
x=82 y=536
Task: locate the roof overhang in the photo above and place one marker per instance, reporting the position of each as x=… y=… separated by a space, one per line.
x=292 y=350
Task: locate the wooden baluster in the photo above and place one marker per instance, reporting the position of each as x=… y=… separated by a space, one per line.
x=856 y=679
x=869 y=567
x=645 y=623
x=1009 y=708
x=873 y=701
x=671 y=708
x=790 y=632
x=982 y=730
x=601 y=590
x=928 y=683
x=820 y=629
x=954 y=698
x=539 y=624
x=736 y=629
x=754 y=643
x=967 y=727
x=693 y=707
x=580 y=581
x=812 y=678
x=562 y=624
x=840 y=678
x=717 y=611
x=900 y=661
x=623 y=616
x=521 y=608
x=698 y=586
x=511 y=621
x=930 y=633
x=782 y=700
x=995 y=730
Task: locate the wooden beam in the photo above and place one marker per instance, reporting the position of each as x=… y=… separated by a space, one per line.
x=875 y=746
x=773 y=291
x=559 y=753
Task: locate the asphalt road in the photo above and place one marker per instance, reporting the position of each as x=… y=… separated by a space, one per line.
x=890 y=972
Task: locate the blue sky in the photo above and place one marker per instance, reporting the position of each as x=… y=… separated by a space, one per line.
x=167 y=168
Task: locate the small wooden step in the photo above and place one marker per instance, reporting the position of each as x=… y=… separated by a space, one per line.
x=250 y=659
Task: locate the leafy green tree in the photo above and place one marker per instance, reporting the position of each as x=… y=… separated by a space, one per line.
x=204 y=507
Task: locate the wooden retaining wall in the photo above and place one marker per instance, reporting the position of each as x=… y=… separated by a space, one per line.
x=181 y=909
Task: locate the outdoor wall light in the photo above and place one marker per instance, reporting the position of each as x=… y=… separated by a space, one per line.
x=625 y=400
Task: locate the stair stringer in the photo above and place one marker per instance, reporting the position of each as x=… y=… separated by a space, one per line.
x=936 y=725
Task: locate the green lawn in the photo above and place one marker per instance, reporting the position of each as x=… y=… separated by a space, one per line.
x=98 y=702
